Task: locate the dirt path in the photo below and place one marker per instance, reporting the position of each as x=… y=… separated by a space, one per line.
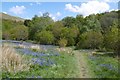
x=83 y=70
x=82 y=65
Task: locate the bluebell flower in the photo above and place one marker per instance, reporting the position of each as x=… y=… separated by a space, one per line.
x=92 y=57
x=39 y=77
x=108 y=66
x=32 y=76
x=41 y=63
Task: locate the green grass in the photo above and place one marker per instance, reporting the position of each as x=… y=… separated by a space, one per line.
x=103 y=66
x=65 y=68
x=100 y=66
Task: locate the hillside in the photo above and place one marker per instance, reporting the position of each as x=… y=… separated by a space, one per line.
x=9 y=17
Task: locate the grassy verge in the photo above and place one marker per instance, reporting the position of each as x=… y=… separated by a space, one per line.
x=88 y=73
x=53 y=65
x=103 y=66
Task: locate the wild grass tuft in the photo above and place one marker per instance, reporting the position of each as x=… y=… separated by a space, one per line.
x=12 y=61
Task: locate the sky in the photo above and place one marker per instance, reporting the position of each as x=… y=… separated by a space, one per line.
x=58 y=10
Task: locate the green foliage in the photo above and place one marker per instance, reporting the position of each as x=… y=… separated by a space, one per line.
x=92 y=32
x=64 y=32
x=8 y=24
x=38 y=24
x=78 y=31
x=14 y=30
x=91 y=39
x=81 y=23
x=49 y=27
x=106 y=20
x=28 y=23
x=62 y=42
x=73 y=31
x=103 y=66
x=58 y=70
x=46 y=14
x=83 y=29
x=57 y=27
x=70 y=34
x=20 y=32
x=61 y=32
x=92 y=23
x=72 y=37
x=111 y=38
x=6 y=35
x=68 y=21
x=45 y=37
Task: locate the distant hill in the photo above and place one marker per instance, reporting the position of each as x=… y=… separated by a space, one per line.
x=9 y=17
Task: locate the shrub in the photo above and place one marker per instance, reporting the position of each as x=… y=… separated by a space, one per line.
x=71 y=42
x=62 y=42
x=11 y=61
x=70 y=34
x=91 y=39
x=111 y=39
x=45 y=37
x=19 y=32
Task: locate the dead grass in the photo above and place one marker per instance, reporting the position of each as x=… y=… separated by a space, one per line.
x=67 y=50
x=11 y=61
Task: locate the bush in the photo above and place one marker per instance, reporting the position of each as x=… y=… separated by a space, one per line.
x=91 y=39
x=19 y=32
x=62 y=42
x=70 y=34
x=71 y=42
x=71 y=38
x=45 y=37
x=111 y=39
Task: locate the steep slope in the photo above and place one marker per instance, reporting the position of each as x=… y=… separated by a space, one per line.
x=9 y=17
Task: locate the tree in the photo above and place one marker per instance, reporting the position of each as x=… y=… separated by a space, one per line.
x=49 y=27
x=80 y=23
x=64 y=32
x=106 y=20
x=14 y=30
x=46 y=14
x=72 y=35
x=91 y=39
x=93 y=24
x=83 y=29
x=68 y=21
x=111 y=38
x=80 y=20
x=20 y=32
x=57 y=27
x=5 y=35
x=28 y=23
x=39 y=24
x=45 y=37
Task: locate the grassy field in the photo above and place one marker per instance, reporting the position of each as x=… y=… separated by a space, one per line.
x=47 y=61
x=103 y=65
